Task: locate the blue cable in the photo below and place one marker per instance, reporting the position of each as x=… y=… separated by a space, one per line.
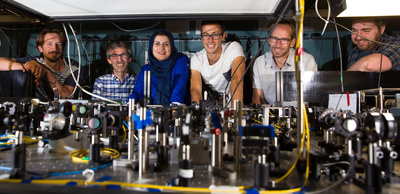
x=172 y=181
x=4 y=168
x=27 y=136
x=125 y=124
x=79 y=171
x=4 y=135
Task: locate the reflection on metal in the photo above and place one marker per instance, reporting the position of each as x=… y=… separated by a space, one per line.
x=321 y=83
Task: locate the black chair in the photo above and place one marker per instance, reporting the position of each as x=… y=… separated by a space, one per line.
x=17 y=84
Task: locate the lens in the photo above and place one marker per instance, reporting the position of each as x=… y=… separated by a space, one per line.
x=93 y=123
x=82 y=110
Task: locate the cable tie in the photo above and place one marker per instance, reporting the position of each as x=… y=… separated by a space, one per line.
x=89 y=175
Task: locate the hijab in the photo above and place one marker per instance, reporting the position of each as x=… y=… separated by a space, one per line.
x=162 y=69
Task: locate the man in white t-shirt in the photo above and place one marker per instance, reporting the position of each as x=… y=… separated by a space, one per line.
x=281 y=58
x=216 y=64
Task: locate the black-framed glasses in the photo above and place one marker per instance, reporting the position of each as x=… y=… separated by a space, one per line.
x=214 y=36
x=284 y=41
x=115 y=56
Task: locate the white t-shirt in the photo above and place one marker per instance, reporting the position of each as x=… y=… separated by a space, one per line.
x=265 y=67
x=217 y=76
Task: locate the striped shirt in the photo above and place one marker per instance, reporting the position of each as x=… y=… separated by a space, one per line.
x=44 y=90
x=110 y=87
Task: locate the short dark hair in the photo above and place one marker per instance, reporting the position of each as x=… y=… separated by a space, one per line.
x=119 y=44
x=287 y=22
x=378 y=22
x=40 y=38
x=217 y=22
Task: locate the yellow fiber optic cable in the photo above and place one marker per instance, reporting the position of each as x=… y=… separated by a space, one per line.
x=123 y=141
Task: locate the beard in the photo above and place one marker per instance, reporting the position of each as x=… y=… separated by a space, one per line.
x=51 y=57
x=370 y=46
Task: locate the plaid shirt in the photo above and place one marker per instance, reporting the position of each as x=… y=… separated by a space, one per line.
x=393 y=53
x=110 y=87
x=44 y=90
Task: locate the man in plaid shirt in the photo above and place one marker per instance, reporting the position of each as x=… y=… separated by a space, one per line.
x=370 y=56
x=119 y=84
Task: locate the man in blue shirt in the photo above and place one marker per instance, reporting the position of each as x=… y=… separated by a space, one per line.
x=119 y=84
x=369 y=56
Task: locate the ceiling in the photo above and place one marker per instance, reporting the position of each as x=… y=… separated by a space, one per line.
x=45 y=11
x=57 y=11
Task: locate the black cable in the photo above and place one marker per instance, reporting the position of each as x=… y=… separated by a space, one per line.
x=87 y=58
x=377 y=42
x=345 y=53
x=330 y=187
x=241 y=62
x=9 y=42
x=246 y=56
x=19 y=29
x=136 y=30
x=254 y=58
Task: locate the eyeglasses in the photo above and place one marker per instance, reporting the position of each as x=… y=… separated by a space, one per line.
x=214 y=36
x=115 y=56
x=284 y=41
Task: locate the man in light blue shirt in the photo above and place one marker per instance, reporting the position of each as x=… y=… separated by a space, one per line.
x=281 y=58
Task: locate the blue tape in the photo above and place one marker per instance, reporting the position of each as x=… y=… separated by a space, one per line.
x=104 y=178
x=268 y=127
x=303 y=188
x=36 y=178
x=252 y=191
x=141 y=124
x=72 y=183
x=26 y=181
x=137 y=122
x=240 y=131
x=114 y=187
x=154 y=190
x=215 y=120
x=272 y=131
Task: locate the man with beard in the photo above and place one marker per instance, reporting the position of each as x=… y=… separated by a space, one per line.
x=281 y=58
x=52 y=72
x=119 y=84
x=368 y=55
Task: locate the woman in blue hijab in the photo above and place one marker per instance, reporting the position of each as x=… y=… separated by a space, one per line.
x=169 y=71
